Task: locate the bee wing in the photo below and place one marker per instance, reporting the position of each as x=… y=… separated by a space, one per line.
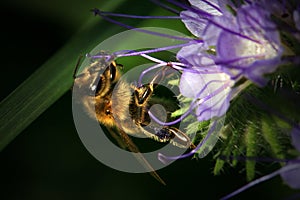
x=125 y=142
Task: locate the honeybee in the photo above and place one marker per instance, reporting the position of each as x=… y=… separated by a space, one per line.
x=118 y=104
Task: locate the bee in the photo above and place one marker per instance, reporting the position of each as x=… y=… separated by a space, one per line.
x=115 y=103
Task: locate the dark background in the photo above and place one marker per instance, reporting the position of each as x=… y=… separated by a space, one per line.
x=48 y=160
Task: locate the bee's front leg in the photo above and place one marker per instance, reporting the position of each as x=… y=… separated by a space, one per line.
x=143 y=93
x=173 y=135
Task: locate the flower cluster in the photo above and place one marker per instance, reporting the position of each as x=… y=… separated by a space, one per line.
x=245 y=43
x=239 y=52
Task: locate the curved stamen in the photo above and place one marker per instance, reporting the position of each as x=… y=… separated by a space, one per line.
x=103 y=13
x=108 y=57
x=262 y=179
x=98 y=12
x=152 y=58
x=260 y=159
x=137 y=53
x=174 y=65
x=148 y=70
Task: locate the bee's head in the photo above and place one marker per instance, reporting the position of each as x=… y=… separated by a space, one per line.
x=94 y=86
x=97 y=78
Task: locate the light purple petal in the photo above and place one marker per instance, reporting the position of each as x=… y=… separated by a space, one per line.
x=210 y=6
x=193 y=22
x=215 y=27
x=194 y=55
x=191 y=50
x=258 y=69
x=255 y=51
x=196 y=22
x=216 y=107
x=254 y=19
x=295 y=136
x=212 y=92
x=292 y=176
x=296 y=17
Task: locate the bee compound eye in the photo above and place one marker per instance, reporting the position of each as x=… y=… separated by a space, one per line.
x=107 y=112
x=112 y=70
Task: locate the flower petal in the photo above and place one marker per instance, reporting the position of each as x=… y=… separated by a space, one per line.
x=210 y=90
x=211 y=6
x=292 y=177
x=193 y=22
x=295 y=135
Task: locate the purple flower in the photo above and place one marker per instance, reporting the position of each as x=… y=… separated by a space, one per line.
x=255 y=51
x=204 y=82
x=247 y=44
x=296 y=17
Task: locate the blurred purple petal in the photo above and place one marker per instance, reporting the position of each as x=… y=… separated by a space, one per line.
x=292 y=176
x=295 y=135
x=296 y=17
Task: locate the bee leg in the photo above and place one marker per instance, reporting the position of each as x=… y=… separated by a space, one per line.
x=142 y=94
x=173 y=135
x=179 y=138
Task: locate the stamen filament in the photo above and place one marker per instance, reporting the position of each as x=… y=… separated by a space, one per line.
x=147 y=70
x=137 y=53
x=98 y=12
x=262 y=179
x=103 y=13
